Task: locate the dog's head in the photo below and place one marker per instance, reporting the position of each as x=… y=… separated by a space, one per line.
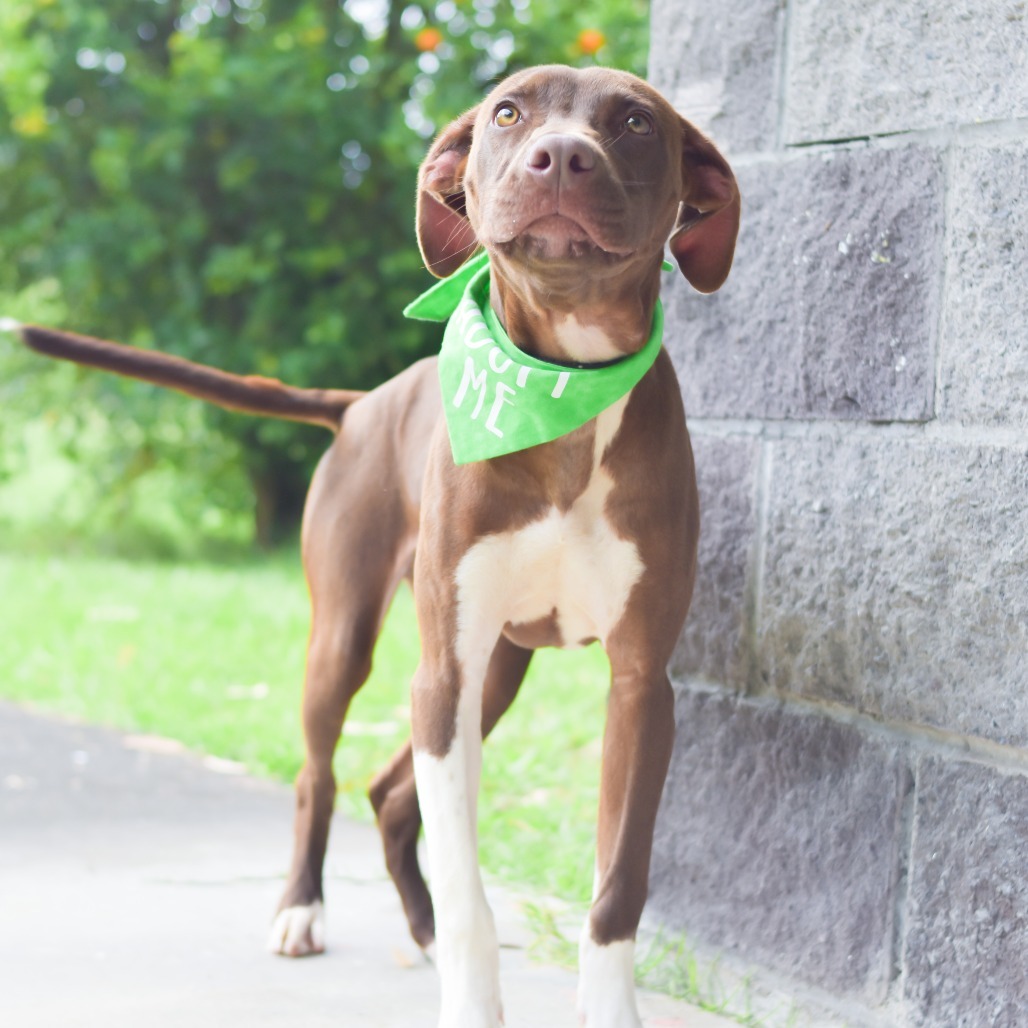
x=562 y=170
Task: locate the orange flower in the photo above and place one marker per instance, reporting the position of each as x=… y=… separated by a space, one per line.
x=428 y=40
x=591 y=40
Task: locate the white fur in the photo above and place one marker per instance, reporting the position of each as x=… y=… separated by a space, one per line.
x=467 y=952
x=588 y=344
x=572 y=562
x=606 y=984
x=298 y=931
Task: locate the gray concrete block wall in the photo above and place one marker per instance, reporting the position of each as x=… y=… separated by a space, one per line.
x=968 y=903
x=832 y=307
x=790 y=848
x=983 y=360
x=847 y=810
x=886 y=66
x=891 y=586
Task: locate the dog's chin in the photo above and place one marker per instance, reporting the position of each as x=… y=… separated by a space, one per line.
x=555 y=238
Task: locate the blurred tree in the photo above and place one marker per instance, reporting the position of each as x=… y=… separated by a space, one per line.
x=233 y=181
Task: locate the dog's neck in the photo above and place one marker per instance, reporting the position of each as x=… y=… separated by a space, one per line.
x=574 y=319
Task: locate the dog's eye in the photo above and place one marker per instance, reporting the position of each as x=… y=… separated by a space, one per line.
x=506 y=116
x=639 y=123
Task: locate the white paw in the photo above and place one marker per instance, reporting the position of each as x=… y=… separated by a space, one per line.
x=470 y=980
x=606 y=984
x=298 y=931
x=473 y=1016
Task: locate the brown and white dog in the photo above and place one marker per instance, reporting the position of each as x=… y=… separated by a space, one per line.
x=573 y=182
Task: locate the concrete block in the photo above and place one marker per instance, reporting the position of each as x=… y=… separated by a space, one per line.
x=984 y=350
x=719 y=67
x=714 y=644
x=878 y=66
x=831 y=307
x=894 y=581
x=779 y=840
x=966 y=952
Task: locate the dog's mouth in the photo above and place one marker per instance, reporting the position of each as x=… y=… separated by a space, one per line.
x=558 y=237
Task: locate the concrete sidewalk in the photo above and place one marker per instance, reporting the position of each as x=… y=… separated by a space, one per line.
x=137 y=885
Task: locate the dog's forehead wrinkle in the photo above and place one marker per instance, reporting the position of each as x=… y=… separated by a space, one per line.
x=563 y=91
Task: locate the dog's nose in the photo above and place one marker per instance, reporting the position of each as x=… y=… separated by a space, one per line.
x=556 y=156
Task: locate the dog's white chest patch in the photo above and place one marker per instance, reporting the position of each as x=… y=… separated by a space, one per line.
x=586 y=343
x=570 y=564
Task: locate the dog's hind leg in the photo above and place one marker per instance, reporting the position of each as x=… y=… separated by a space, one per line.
x=394 y=796
x=338 y=663
x=353 y=559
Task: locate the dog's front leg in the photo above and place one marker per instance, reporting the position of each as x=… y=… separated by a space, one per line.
x=446 y=701
x=636 y=751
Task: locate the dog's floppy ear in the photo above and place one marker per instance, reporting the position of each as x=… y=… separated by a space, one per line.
x=703 y=240
x=445 y=235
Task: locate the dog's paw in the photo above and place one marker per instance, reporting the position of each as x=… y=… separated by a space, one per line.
x=476 y=1004
x=473 y=1017
x=606 y=986
x=298 y=931
x=624 y=1016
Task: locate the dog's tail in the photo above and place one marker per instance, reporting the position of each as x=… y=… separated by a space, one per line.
x=251 y=394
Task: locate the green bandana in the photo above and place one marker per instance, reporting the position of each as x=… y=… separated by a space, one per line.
x=498 y=399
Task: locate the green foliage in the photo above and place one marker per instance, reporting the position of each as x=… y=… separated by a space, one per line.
x=78 y=471
x=233 y=181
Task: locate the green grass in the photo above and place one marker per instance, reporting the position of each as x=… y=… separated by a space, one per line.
x=665 y=963
x=213 y=655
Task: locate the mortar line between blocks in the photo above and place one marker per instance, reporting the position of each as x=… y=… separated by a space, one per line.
x=954 y=433
x=939 y=137
x=917 y=738
x=756 y=598
x=942 y=284
x=782 y=71
x=901 y=899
